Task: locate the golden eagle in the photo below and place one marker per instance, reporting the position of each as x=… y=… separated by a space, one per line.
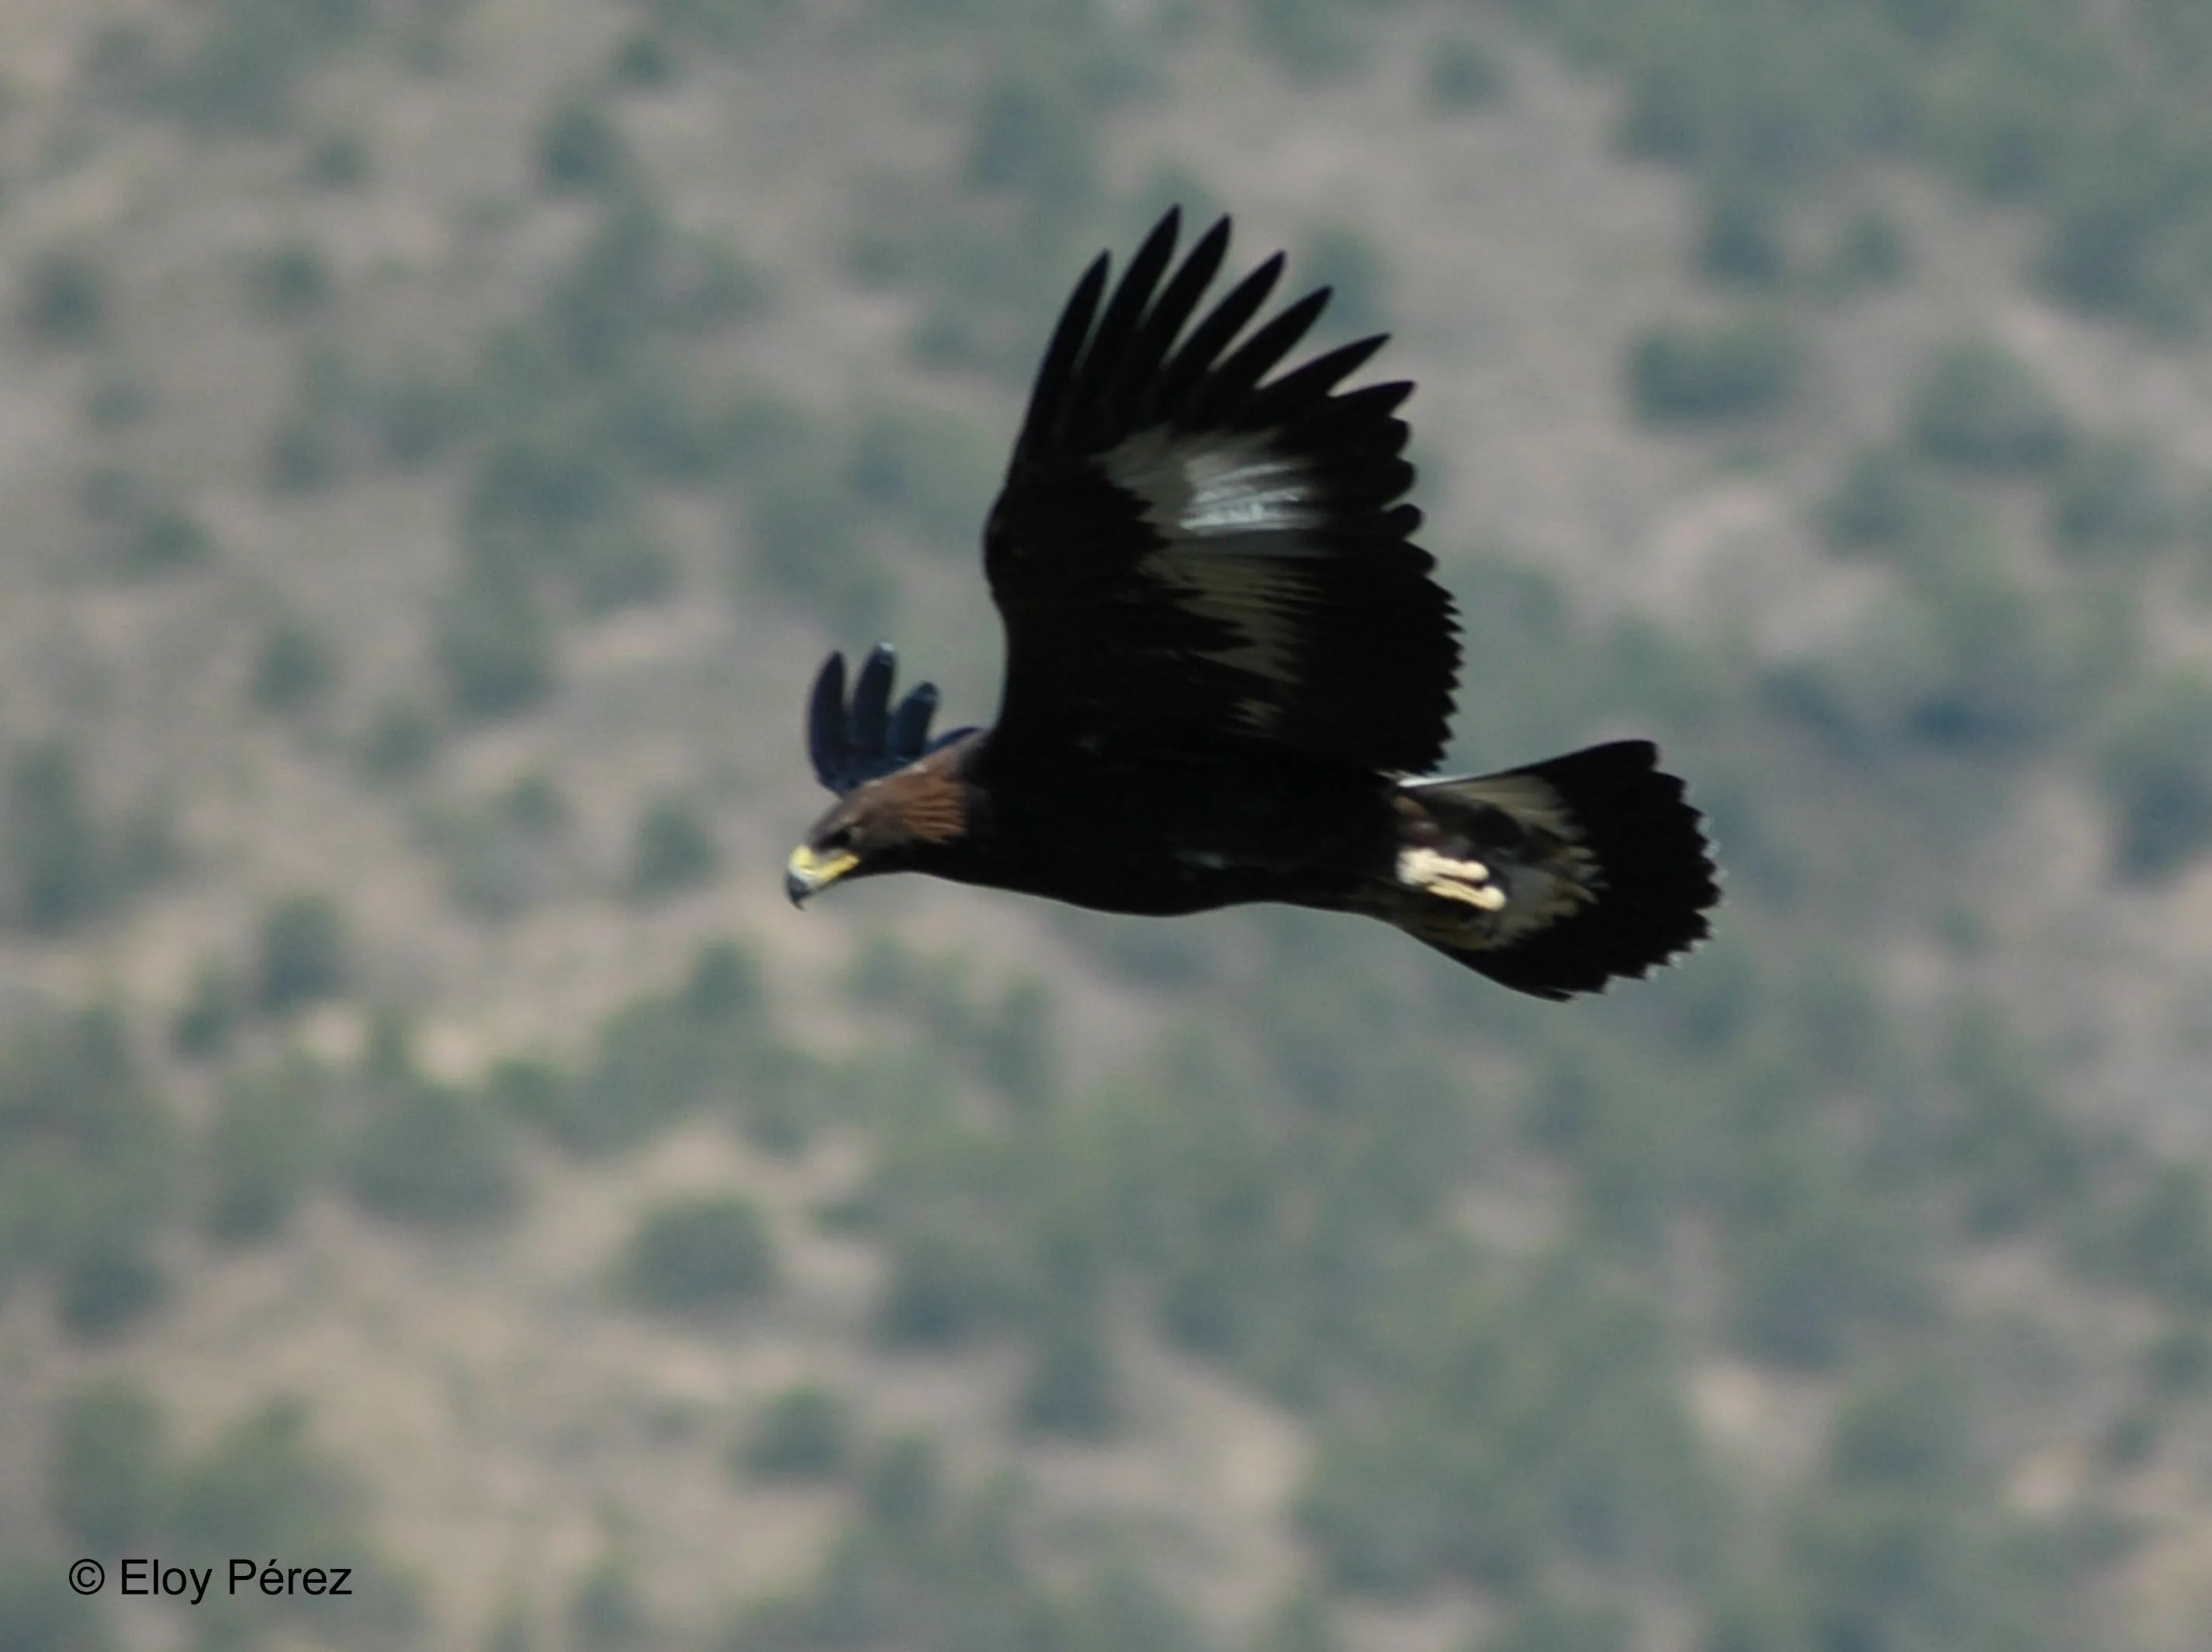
x=1225 y=658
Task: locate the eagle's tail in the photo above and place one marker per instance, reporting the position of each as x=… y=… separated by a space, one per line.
x=1556 y=877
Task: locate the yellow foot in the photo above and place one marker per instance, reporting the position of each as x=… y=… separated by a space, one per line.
x=1434 y=872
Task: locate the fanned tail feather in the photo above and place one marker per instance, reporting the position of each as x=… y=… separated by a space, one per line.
x=1610 y=840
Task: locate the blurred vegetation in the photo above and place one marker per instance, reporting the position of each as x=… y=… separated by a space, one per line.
x=302 y=953
x=704 y=1255
x=512 y=851
x=804 y=1433
x=425 y=1152
x=674 y=849
x=67 y=860
x=295 y=668
x=1689 y=375
x=1482 y=1256
x=1977 y=407
x=65 y=298
x=86 y=1150
x=107 y=1481
x=269 y=1136
x=36 y=1617
x=2088 y=115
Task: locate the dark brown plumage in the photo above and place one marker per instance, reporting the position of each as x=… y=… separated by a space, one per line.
x=1224 y=655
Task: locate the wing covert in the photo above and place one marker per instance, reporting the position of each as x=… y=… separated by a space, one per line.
x=1187 y=551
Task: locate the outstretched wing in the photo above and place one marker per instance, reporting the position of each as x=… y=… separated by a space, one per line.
x=851 y=744
x=1187 y=552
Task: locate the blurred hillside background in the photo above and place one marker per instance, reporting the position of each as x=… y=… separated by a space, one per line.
x=439 y=438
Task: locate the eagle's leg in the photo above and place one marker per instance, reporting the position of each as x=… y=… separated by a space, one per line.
x=1553 y=879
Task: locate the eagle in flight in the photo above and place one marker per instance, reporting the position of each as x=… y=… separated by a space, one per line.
x=1226 y=663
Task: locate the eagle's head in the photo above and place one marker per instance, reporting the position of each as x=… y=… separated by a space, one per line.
x=894 y=823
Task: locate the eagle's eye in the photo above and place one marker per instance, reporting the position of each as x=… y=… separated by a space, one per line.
x=840 y=837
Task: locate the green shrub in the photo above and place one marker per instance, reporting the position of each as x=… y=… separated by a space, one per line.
x=1070 y=1390
x=644 y=59
x=1813 y=1263
x=580 y=149
x=1890 y=503
x=1537 y=1423
x=675 y=848
x=1977 y=407
x=295 y=667
x=39 y=1615
x=1685 y=373
x=705 y=1253
x=338 y=160
x=1909 y=1429
x=557 y=503
x=504 y=854
x=118 y=398
x=2156 y=773
x=928 y=472
x=1300 y=1622
x=725 y=987
x=2178 y=1360
x=245 y=58
x=801 y=538
x=400 y=739
x=903 y=1488
x=110 y=1284
x=213 y=1005
x=1741 y=240
x=62 y=873
x=494 y=645
x=302 y=952
x=665 y=1056
x=108 y=1483
x=304 y=453
x=263 y=1147
x=260 y=1486
x=533 y=495
x=1465 y=71
x=944 y=1286
x=65 y=298
x=1970 y=659
x=87 y=1151
x=417 y=419
x=803 y=1433
x=145 y=533
x=638 y=279
x=429 y=1154
x=1556 y=1623
x=166 y=539
x=288 y=280
x=1035 y=138
x=2163 y=1242
x=606 y=1612
x=2109 y=502
x=1313 y=40
x=1019 y=1048
x=1869 y=250
x=2020 y=1158
x=2125 y=238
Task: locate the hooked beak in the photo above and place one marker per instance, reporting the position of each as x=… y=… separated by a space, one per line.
x=808 y=873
